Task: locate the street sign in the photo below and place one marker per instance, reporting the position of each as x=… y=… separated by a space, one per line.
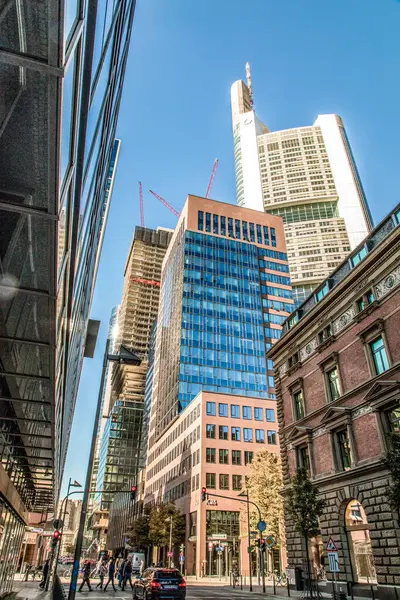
x=331 y=546
x=270 y=541
x=261 y=526
x=333 y=562
x=220 y=548
x=210 y=545
x=170 y=554
x=182 y=559
x=219 y=536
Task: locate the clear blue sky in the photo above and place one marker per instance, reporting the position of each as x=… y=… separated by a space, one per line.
x=307 y=57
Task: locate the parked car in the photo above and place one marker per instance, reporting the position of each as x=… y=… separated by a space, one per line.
x=160 y=584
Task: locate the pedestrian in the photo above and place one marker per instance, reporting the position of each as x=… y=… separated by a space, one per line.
x=86 y=576
x=46 y=568
x=141 y=567
x=102 y=572
x=28 y=568
x=127 y=575
x=111 y=574
x=121 y=570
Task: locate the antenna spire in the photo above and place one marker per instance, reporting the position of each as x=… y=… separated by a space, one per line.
x=249 y=84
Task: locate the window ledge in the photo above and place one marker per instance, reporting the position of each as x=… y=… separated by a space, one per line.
x=294 y=368
x=325 y=343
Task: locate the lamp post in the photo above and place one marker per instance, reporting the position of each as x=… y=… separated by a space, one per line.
x=64 y=516
x=126 y=357
x=169 y=520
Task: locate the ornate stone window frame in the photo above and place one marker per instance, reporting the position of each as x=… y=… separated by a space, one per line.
x=369 y=306
x=298 y=438
x=383 y=396
x=295 y=387
x=368 y=335
x=334 y=420
x=327 y=364
x=327 y=337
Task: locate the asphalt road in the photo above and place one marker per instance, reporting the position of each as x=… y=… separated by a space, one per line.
x=194 y=592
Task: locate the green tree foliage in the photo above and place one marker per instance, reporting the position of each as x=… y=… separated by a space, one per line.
x=265 y=484
x=70 y=548
x=392 y=462
x=304 y=505
x=159 y=527
x=139 y=532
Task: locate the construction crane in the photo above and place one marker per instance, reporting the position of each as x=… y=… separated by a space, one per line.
x=145 y=281
x=141 y=204
x=210 y=183
x=249 y=84
x=167 y=204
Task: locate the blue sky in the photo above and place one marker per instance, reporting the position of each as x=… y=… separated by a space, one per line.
x=307 y=58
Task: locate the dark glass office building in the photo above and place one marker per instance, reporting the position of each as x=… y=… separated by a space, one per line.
x=62 y=66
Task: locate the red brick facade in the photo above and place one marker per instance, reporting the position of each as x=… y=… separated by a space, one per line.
x=342 y=359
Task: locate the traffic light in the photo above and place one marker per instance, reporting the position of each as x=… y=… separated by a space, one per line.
x=262 y=545
x=258 y=542
x=203 y=494
x=182 y=548
x=133 y=492
x=56 y=537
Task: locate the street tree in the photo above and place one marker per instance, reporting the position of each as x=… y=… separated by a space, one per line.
x=139 y=531
x=392 y=462
x=265 y=485
x=305 y=509
x=159 y=526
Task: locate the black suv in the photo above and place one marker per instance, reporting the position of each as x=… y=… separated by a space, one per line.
x=160 y=584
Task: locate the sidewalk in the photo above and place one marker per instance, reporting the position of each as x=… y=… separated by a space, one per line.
x=30 y=590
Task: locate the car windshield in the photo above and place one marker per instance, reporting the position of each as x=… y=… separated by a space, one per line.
x=167 y=575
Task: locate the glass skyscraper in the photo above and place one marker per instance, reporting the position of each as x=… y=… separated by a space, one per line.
x=62 y=74
x=225 y=291
x=308 y=176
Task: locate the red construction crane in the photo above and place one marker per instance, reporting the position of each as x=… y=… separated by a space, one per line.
x=210 y=183
x=141 y=204
x=167 y=204
x=145 y=281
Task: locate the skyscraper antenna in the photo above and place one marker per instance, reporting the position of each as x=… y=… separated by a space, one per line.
x=249 y=84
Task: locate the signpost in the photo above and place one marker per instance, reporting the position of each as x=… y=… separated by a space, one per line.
x=261 y=526
x=333 y=558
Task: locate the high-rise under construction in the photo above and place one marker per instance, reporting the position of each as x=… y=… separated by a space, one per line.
x=119 y=459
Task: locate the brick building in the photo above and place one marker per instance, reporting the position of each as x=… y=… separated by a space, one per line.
x=338 y=388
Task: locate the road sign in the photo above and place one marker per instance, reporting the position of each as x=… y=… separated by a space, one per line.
x=210 y=545
x=261 y=526
x=58 y=524
x=220 y=548
x=333 y=562
x=170 y=554
x=182 y=558
x=270 y=541
x=331 y=546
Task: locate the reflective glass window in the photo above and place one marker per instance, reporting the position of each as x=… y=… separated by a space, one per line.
x=260 y=436
x=266 y=235
x=258 y=414
x=222 y=410
x=210 y=408
x=223 y=456
x=252 y=233
x=271 y=437
x=224 y=482
x=247 y=434
x=236 y=482
x=200 y=220
x=237 y=229
x=70 y=15
x=245 y=230
x=259 y=234
x=235 y=434
x=246 y=412
x=248 y=457
x=273 y=236
x=270 y=415
x=210 y=431
x=210 y=455
x=223 y=225
x=223 y=432
x=235 y=411
x=67 y=114
x=215 y=224
x=208 y=222
x=379 y=355
x=230 y=227
x=210 y=481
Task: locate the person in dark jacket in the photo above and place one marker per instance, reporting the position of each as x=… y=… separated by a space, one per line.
x=45 y=573
x=127 y=575
x=111 y=574
x=86 y=575
x=121 y=571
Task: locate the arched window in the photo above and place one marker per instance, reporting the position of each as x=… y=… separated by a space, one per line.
x=359 y=543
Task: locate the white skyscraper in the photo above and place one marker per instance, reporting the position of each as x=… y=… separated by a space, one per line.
x=308 y=176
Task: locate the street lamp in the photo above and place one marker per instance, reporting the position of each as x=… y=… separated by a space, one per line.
x=169 y=520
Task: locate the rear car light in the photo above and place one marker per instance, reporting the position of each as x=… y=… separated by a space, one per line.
x=155 y=585
x=183 y=584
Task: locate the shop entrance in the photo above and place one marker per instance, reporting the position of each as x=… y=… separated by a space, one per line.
x=222 y=556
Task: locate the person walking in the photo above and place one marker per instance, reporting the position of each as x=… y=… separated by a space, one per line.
x=46 y=567
x=141 y=567
x=86 y=576
x=111 y=574
x=127 y=575
x=121 y=572
x=102 y=572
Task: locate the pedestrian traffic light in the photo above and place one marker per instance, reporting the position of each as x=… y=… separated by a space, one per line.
x=56 y=537
x=203 y=494
x=182 y=548
x=262 y=545
x=133 y=492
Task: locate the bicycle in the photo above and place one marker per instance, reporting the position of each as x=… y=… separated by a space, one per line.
x=67 y=573
x=281 y=578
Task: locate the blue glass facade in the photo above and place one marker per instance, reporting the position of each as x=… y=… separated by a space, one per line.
x=222 y=340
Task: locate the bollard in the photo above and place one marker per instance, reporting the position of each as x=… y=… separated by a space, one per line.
x=372 y=592
x=273 y=579
x=241 y=581
x=288 y=587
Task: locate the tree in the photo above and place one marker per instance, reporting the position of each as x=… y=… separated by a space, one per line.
x=265 y=484
x=139 y=532
x=70 y=548
x=305 y=508
x=159 y=529
x=392 y=462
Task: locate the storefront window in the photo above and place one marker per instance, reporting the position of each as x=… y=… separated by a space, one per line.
x=359 y=543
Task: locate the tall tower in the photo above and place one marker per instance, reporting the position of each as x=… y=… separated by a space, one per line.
x=306 y=175
x=225 y=291
x=120 y=450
